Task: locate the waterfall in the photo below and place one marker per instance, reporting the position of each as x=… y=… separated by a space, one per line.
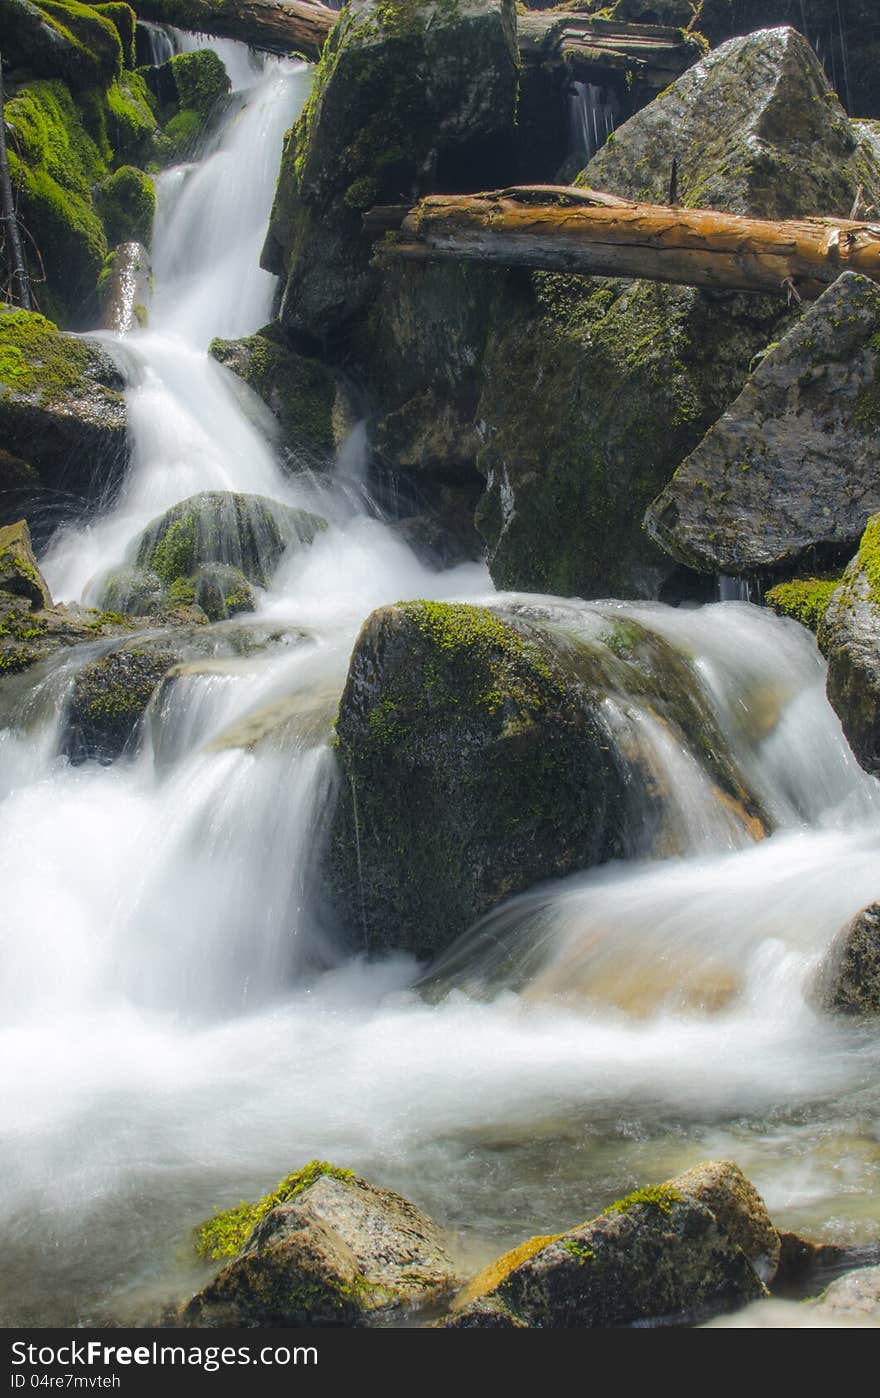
x=593 y=116
x=181 y=1026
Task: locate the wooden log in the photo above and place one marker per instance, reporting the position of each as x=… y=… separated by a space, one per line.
x=277 y=26
x=563 y=229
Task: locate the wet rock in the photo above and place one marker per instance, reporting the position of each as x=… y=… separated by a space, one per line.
x=805 y=1267
x=30 y=635
x=19 y=573
x=473 y=766
x=79 y=43
x=326 y=1248
x=697 y=1246
x=803 y=599
x=594 y=390
x=62 y=412
x=853 y=1299
x=209 y=551
x=126 y=290
x=126 y=201
x=108 y=699
x=848 y=981
x=299 y=392
x=791 y=472
x=849 y=637
x=376 y=131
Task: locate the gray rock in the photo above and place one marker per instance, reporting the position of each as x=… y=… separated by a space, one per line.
x=411 y=95
x=691 y=1248
x=753 y=124
x=299 y=392
x=108 y=699
x=127 y=291
x=62 y=412
x=852 y=1299
x=337 y=1251
x=848 y=981
x=19 y=573
x=791 y=472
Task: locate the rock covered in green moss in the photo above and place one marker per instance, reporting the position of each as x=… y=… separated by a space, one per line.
x=376 y=131
x=753 y=124
x=698 y=1245
x=79 y=43
x=61 y=410
x=848 y=981
x=127 y=202
x=19 y=573
x=594 y=391
x=791 y=472
x=190 y=89
x=325 y=1248
x=803 y=599
x=108 y=699
x=299 y=392
x=472 y=764
x=248 y=533
x=849 y=637
x=125 y=288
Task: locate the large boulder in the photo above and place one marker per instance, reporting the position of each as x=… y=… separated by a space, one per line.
x=594 y=391
x=62 y=412
x=410 y=96
x=299 y=392
x=472 y=767
x=848 y=982
x=64 y=39
x=791 y=472
x=325 y=1248
x=849 y=637
x=109 y=697
x=698 y=1245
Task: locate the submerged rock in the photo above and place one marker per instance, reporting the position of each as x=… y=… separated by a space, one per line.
x=325 y=1248
x=209 y=552
x=594 y=390
x=108 y=699
x=299 y=392
x=848 y=981
x=472 y=768
x=378 y=130
x=697 y=1246
x=853 y=1299
x=791 y=472
x=849 y=637
x=62 y=413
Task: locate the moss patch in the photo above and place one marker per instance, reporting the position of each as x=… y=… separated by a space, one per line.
x=36 y=358
x=804 y=599
x=225 y=1234
x=127 y=202
x=659 y=1197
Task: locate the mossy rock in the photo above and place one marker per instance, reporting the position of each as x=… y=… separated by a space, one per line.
x=696 y=1246
x=374 y=132
x=127 y=203
x=299 y=392
x=849 y=637
x=81 y=44
x=62 y=410
x=848 y=980
x=803 y=599
x=201 y=80
x=324 y=1248
x=19 y=573
x=245 y=532
x=108 y=699
x=472 y=766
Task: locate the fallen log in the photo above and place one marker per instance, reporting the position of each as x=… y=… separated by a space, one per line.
x=277 y=26
x=593 y=50
x=564 y=229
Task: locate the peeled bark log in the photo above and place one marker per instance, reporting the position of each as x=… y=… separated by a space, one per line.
x=563 y=229
x=278 y=26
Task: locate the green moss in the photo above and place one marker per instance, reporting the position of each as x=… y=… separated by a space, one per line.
x=35 y=358
x=174 y=556
x=299 y=391
x=201 y=80
x=576 y=1249
x=181 y=593
x=179 y=138
x=225 y=1234
x=804 y=599
x=124 y=20
x=659 y=1197
x=130 y=118
x=127 y=203
x=869 y=557
x=867 y=408
x=91 y=39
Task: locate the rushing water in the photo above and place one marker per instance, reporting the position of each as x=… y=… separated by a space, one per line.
x=179 y=1026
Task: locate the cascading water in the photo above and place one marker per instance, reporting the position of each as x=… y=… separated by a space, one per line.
x=180 y=1027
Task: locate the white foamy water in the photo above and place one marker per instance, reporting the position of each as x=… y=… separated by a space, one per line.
x=182 y=1024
